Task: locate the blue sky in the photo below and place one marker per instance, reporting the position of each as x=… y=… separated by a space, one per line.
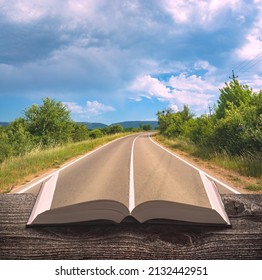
x=117 y=60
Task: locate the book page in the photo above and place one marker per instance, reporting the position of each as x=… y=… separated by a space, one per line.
x=161 y=176
x=100 y=176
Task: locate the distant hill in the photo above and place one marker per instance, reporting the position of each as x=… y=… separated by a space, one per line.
x=91 y=125
x=136 y=124
x=127 y=124
x=4 y=123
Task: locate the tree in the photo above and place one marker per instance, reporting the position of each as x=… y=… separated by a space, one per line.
x=147 y=127
x=15 y=139
x=164 y=120
x=49 y=123
x=19 y=137
x=172 y=124
x=232 y=95
x=186 y=115
x=199 y=130
x=96 y=133
x=5 y=145
x=115 y=129
x=80 y=132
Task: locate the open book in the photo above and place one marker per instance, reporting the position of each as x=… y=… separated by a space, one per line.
x=50 y=208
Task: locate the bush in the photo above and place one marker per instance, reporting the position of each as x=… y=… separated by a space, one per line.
x=96 y=133
x=228 y=134
x=5 y=145
x=200 y=130
x=79 y=133
x=115 y=129
x=19 y=136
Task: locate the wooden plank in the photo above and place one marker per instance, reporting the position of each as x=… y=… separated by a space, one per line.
x=131 y=240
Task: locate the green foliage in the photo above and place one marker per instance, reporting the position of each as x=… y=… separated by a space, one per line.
x=15 y=140
x=171 y=124
x=240 y=130
x=254 y=188
x=79 y=132
x=96 y=133
x=200 y=130
x=232 y=95
x=235 y=128
x=45 y=126
x=115 y=129
x=19 y=137
x=5 y=145
x=49 y=123
x=147 y=127
x=176 y=126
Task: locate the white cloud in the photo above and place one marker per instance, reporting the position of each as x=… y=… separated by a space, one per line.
x=201 y=64
x=254 y=81
x=198 y=101
x=190 y=83
x=174 y=107
x=192 y=90
x=28 y=11
x=253 y=43
x=74 y=107
x=96 y=108
x=177 y=90
x=201 y=12
x=252 y=47
x=150 y=87
x=92 y=108
x=257 y=82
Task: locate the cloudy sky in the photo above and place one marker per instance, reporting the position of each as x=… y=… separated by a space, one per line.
x=117 y=60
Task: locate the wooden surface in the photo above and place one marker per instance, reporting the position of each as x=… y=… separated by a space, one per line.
x=131 y=240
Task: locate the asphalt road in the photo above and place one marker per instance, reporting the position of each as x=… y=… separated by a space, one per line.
x=160 y=176
x=134 y=164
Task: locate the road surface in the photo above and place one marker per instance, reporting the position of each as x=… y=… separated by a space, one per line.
x=131 y=170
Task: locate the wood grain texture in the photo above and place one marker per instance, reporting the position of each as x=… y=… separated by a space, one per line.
x=131 y=240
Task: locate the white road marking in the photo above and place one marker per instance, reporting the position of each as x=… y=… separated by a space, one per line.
x=131 y=179
x=41 y=180
x=209 y=176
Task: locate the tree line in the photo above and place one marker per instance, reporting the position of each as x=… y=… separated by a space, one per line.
x=44 y=126
x=234 y=127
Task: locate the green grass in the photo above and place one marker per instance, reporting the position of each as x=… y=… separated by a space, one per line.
x=19 y=170
x=248 y=166
x=244 y=165
x=184 y=145
x=254 y=188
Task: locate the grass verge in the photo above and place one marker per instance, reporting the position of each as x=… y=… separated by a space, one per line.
x=248 y=168
x=19 y=170
x=253 y=188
